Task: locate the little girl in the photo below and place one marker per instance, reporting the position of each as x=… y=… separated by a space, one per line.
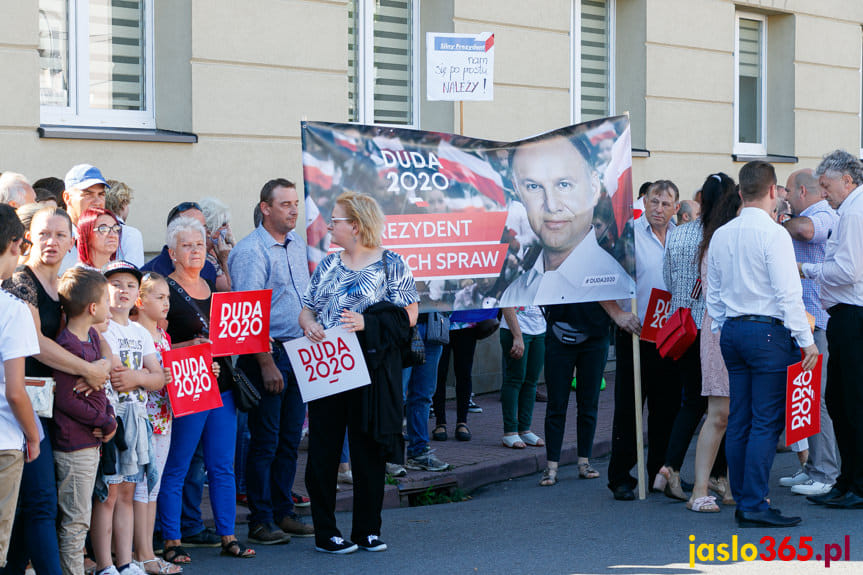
x=152 y=307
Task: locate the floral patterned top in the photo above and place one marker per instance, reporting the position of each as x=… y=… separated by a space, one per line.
x=334 y=287
x=158 y=404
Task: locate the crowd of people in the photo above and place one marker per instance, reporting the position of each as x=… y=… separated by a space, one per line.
x=104 y=475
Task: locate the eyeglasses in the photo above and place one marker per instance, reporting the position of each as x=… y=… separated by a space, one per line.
x=25 y=245
x=105 y=229
x=334 y=220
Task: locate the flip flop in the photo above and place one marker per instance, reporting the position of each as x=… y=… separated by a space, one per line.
x=513 y=442
x=530 y=438
x=706 y=504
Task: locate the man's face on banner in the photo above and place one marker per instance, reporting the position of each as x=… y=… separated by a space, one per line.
x=556 y=187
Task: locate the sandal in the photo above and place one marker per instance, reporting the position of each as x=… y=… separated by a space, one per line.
x=719 y=485
x=513 y=441
x=532 y=439
x=177 y=555
x=673 y=488
x=162 y=567
x=462 y=432
x=586 y=471
x=549 y=477
x=706 y=504
x=236 y=549
x=439 y=433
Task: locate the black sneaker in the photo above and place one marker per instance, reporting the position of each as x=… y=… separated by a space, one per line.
x=336 y=545
x=372 y=543
x=206 y=538
x=267 y=534
x=472 y=407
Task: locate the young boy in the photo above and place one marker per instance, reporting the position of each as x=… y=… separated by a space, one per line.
x=136 y=372
x=81 y=421
x=20 y=432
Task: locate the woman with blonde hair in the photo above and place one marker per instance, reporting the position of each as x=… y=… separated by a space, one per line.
x=369 y=291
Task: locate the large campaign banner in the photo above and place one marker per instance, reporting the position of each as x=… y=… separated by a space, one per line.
x=485 y=224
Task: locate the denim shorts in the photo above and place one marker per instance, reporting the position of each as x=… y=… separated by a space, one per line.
x=117 y=478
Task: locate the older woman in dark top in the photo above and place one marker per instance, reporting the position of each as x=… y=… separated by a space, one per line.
x=188 y=324
x=346 y=289
x=34 y=535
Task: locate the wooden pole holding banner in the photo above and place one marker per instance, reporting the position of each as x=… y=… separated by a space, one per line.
x=639 y=425
x=461 y=117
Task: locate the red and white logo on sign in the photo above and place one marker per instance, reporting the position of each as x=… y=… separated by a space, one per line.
x=658 y=310
x=193 y=387
x=328 y=367
x=240 y=322
x=803 y=402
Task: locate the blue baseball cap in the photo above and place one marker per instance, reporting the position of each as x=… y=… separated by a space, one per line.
x=83 y=176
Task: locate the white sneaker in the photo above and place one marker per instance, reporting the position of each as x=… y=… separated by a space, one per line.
x=133 y=569
x=108 y=571
x=796 y=479
x=811 y=487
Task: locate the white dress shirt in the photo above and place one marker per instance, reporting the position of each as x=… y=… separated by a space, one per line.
x=841 y=272
x=649 y=255
x=751 y=270
x=589 y=273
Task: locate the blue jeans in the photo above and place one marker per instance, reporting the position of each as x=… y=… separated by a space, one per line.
x=419 y=385
x=756 y=355
x=241 y=454
x=276 y=426
x=191 y=521
x=34 y=534
x=216 y=430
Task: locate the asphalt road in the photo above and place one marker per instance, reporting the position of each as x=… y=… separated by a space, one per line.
x=573 y=527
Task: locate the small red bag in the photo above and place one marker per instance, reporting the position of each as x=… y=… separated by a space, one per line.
x=678 y=333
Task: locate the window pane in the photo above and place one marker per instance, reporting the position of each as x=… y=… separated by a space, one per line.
x=594 y=60
x=392 y=54
x=117 y=55
x=53 y=53
x=750 y=82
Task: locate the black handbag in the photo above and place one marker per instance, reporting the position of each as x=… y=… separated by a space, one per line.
x=413 y=355
x=246 y=395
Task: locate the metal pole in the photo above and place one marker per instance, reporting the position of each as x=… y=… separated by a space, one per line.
x=639 y=425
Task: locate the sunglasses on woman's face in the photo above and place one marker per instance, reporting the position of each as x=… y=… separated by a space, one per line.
x=105 y=229
x=25 y=246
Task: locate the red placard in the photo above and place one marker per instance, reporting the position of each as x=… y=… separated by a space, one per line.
x=240 y=322
x=802 y=402
x=658 y=310
x=193 y=386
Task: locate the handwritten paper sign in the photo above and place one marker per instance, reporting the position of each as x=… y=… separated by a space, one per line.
x=329 y=367
x=460 y=66
x=658 y=310
x=240 y=322
x=802 y=402
x=193 y=386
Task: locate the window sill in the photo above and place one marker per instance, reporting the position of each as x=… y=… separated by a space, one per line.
x=116 y=134
x=772 y=158
x=640 y=153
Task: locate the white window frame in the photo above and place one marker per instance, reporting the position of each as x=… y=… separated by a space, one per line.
x=79 y=74
x=739 y=147
x=575 y=60
x=860 y=84
x=365 y=93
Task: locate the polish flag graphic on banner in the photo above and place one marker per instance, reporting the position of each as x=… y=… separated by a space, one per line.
x=345 y=141
x=316 y=233
x=469 y=169
x=317 y=171
x=386 y=144
x=618 y=179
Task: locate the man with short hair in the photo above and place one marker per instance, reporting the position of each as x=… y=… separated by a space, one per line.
x=559 y=190
x=813 y=223
x=274 y=257
x=660 y=387
x=16 y=190
x=754 y=296
x=162 y=263
x=85 y=188
x=688 y=212
x=841 y=278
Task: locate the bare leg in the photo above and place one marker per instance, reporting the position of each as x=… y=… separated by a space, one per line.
x=101 y=528
x=124 y=523
x=708 y=442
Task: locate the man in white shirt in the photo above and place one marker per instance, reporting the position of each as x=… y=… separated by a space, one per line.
x=559 y=190
x=754 y=295
x=660 y=387
x=841 y=279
